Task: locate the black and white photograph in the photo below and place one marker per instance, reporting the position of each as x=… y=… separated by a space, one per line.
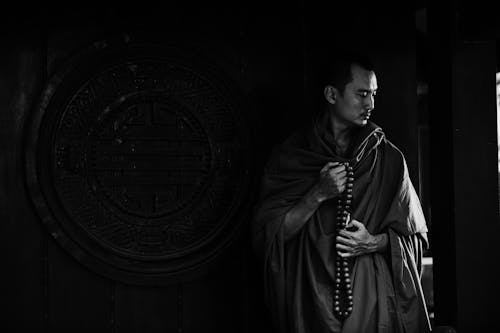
x=250 y=166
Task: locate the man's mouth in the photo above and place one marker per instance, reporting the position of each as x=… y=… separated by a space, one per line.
x=366 y=116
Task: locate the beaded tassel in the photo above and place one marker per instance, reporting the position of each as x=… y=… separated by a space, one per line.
x=343 y=299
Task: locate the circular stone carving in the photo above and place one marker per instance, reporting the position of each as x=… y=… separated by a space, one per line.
x=137 y=161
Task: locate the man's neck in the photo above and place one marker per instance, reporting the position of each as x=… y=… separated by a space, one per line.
x=341 y=132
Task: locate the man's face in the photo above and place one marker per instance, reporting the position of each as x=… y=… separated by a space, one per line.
x=354 y=106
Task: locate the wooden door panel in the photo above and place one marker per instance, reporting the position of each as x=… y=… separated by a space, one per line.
x=146 y=309
x=21 y=236
x=216 y=303
x=79 y=300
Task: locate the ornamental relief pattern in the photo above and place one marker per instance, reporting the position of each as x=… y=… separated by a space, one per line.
x=145 y=158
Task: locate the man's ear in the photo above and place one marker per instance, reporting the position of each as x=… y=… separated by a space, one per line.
x=330 y=94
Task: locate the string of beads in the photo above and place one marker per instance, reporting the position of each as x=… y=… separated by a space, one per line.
x=343 y=299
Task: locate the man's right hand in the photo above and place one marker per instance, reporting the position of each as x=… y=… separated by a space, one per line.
x=332 y=181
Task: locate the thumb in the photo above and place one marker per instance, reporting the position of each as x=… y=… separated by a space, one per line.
x=357 y=224
x=329 y=165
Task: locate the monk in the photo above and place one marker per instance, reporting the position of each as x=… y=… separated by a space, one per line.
x=295 y=233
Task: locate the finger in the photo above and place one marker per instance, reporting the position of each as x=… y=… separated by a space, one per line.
x=337 y=178
x=338 y=169
x=329 y=165
x=342 y=174
x=343 y=248
x=345 y=254
x=337 y=172
x=346 y=234
x=345 y=241
x=356 y=223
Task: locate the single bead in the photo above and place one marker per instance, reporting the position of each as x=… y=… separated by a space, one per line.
x=346 y=313
x=348 y=280
x=336 y=296
x=337 y=281
x=346 y=275
x=337 y=292
x=337 y=308
x=337 y=303
x=349 y=309
x=349 y=297
x=349 y=292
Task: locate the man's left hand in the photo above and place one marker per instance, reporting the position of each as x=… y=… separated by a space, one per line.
x=359 y=242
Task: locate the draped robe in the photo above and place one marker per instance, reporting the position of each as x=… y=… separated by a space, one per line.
x=299 y=273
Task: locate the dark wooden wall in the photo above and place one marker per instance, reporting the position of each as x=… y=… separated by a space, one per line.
x=269 y=52
x=462 y=64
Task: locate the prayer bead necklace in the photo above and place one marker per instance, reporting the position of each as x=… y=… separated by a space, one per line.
x=343 y=298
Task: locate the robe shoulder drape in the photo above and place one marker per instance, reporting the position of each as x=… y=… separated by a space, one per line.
x=299 y=274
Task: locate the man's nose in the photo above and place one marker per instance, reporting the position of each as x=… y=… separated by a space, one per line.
x=369 y=102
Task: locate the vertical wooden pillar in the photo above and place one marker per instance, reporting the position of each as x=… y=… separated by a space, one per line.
x=464 y=175
x=477 y=226
x=441 y=27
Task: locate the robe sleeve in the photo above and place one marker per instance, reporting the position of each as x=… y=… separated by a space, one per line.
x=406 y=227
x=406 y=264
x=268 y=241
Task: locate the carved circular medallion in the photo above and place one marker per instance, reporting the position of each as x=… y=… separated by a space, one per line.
x=137 y=161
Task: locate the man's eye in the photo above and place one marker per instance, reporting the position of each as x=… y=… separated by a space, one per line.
x=363 y=94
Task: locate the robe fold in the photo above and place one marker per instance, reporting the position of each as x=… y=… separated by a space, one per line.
x=299 y=274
